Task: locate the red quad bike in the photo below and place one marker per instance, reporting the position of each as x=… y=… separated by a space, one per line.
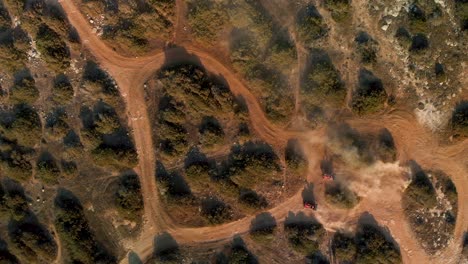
x=312 y=206
x=328 y=177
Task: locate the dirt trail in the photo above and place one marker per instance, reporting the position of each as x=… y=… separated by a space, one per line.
x=412 y=140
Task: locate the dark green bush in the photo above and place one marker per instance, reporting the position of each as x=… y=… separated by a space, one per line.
x=211 y=132
x=310 y=25
x=6 y=257
x=366 y=47
x=339 y=195
x=206 y=19
x=340 y=9
x=53 y=48
x=460 y=119
x=344 y=247
x=16 y=163
x=304 y=233
x=62 y=91
x=128 y=197
x=322 y=82
x=252 y=199
x=24 y=127
x=294 y=155
x=32 y=241
x=74 y=231
x=262 y=227
x=250 y=163
x=171 y=184
x=24 y=89
x=369 y=96
x=373 y=247
x=215 y=210
x=47 y=169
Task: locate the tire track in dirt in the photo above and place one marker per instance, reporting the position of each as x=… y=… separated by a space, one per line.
x=130 y=74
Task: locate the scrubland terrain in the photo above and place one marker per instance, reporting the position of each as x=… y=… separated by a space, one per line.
x=199 y=131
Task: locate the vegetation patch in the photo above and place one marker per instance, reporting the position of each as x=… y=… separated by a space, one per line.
x=52 y=48
x=24 y=89
x=263 y=53
x=304 y=233
x=340 y=9
x=250 y=163
x=62 y=91
x=128 y=198
x=430 y=203
x=374 y=247
x=366 y=47
x=75 y=234
x=344 y=247
x=262 y=228
x=310 y=25
x=215 y=210
x=460 y=119
x=15 y=162
x=340 y=195
x=321 y=81
x=295 y=156
x=22 y=125
x=47 y=169
x=206 y=19
x=369 y=96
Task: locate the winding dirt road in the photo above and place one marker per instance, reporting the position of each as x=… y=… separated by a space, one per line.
x=413 y=142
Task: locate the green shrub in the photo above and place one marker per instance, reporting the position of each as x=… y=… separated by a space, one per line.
x=62 y=91
x=461 y=13
x=16 y=164
x=115 y=157
x=322 y=82
x=16 y=204
x=107 y=123
x=25 y=126
x=74 y=231
x=419 y=43
x=128 y=197
x=53 y=48
x=252 y=199
x=341 y=196
x=200 y=93
x=211 y=132
x=369 y=96
x=250 y=163
x=460 y=119
x=310 y=25
x=215 y=210
x=366 y=47
x=47 y=170
x=171 y=184
x=295 y=156
x=304 y=233
x=262 y=227
x=56 y=123
x=340 y=9
x=206 y=19
x=24 y=89
x=344 y=248
x=373 y=247
x=33 y=243
x=386 y=149
x=5 y=254
x=420 y=192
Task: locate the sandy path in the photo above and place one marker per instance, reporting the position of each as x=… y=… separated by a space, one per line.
x=412 y=141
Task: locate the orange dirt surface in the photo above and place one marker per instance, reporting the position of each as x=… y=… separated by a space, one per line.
x=412 y=140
